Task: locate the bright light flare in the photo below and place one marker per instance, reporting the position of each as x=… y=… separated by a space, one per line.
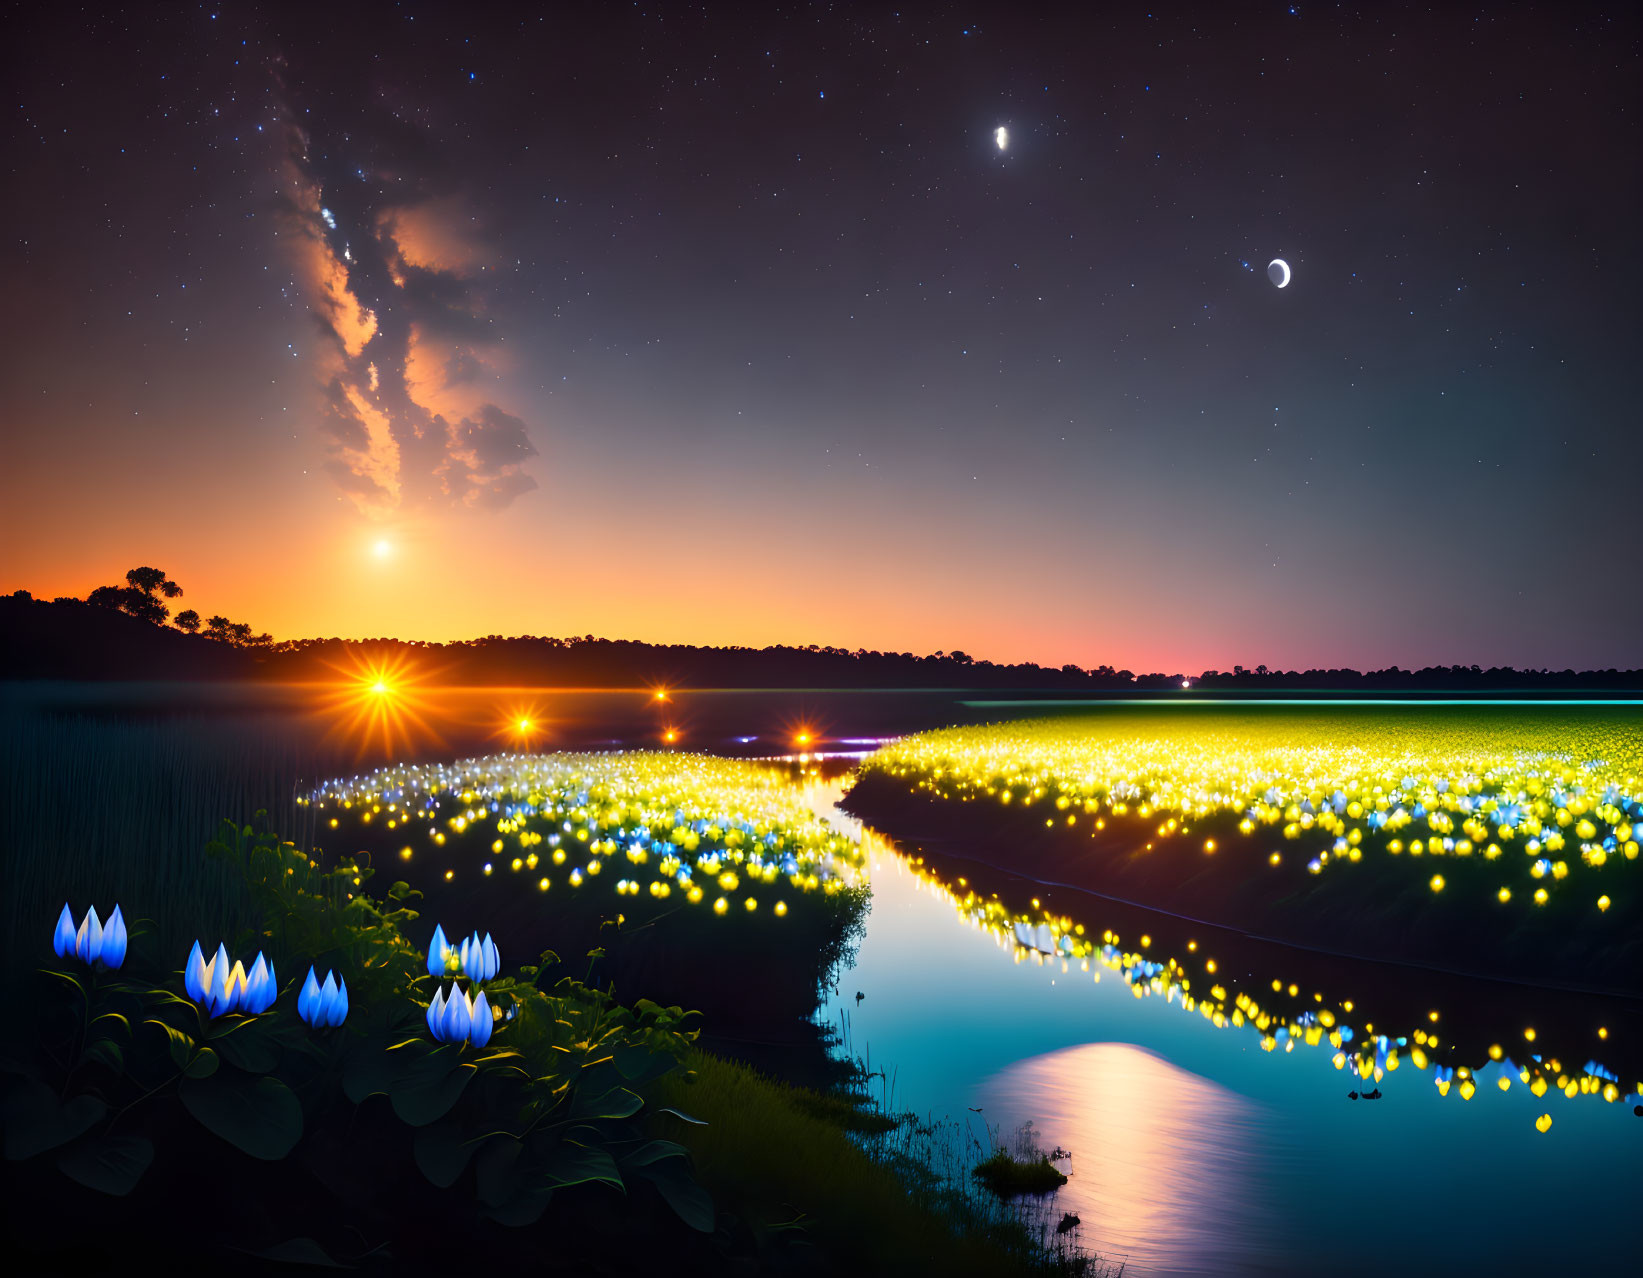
x=383 y=549
x=381 y=704
x=1001 y=135
x=521 y=725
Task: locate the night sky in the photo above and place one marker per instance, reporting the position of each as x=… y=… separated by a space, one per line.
x=734 y=324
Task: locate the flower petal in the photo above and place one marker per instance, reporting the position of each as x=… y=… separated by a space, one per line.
x=62 y=940
x=308 y=997
x=436 y=952
x=194 y=974
x=458 y=1016
x=480 y=1032
x=114 y=940
x=327 y=1000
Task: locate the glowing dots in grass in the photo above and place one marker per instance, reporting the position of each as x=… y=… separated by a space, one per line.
x=668 y=816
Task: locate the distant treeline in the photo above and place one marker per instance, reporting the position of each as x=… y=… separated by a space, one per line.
x=69 y=639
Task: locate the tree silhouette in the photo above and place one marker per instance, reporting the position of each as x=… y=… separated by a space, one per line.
x=236 y=634
x=140 y=596
x=188 y=620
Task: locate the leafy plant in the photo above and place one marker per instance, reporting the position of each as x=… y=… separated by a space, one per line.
x=556 y=1102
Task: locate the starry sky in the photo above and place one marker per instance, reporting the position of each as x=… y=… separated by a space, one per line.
x=734 y=324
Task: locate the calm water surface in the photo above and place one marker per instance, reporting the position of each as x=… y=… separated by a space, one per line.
x=1195 y=1152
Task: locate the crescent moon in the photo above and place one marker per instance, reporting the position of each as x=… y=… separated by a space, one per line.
x=1282 y=266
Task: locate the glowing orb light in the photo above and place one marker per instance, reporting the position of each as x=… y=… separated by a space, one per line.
x=1001 y=135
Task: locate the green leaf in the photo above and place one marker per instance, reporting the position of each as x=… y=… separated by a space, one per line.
x=571 y=1164
x=257 y=1115
x=511 y=1198
x=70 y=978
x=204 y=1064
x=679 y=1113
x=494 y=1170
x=105 y=1052
x=653 y=1151
x=639 y=1064
x=109 y=1164
x=117 y=1019
x=36 y=1121
x=425 y=1093
x=181 y=1045
x=442 y=1152
x=690 y=1202
x=618 y=1102
x=250 y=1046
x=368 y=1071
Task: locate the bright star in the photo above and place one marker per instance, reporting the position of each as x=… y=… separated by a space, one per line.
x=1001 y=135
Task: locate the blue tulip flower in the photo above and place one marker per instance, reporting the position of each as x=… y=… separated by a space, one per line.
x=478 y=960
x=93 y=941
x=481 y=960
x=220 y=987
x=323 y=1006
x=459 y=1018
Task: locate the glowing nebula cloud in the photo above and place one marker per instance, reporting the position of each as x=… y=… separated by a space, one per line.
x=392 y=277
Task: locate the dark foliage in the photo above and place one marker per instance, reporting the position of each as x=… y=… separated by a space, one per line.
x=64 y=640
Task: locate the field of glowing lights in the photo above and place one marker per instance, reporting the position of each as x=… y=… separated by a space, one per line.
x=715 y=832
x=1459 y=839
x=1555 y=816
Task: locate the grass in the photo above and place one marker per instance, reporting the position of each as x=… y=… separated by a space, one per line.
x=834 y=1179
x=101 y=811
x=1011 y=1177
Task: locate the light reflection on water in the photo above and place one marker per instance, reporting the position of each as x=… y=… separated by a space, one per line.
x=1162 y=1159
x=950 y=1013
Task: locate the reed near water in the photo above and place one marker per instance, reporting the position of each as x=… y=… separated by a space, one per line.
x=105 y=809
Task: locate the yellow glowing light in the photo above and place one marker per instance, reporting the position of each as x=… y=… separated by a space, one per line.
x=383 y=548
x=380 y=704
